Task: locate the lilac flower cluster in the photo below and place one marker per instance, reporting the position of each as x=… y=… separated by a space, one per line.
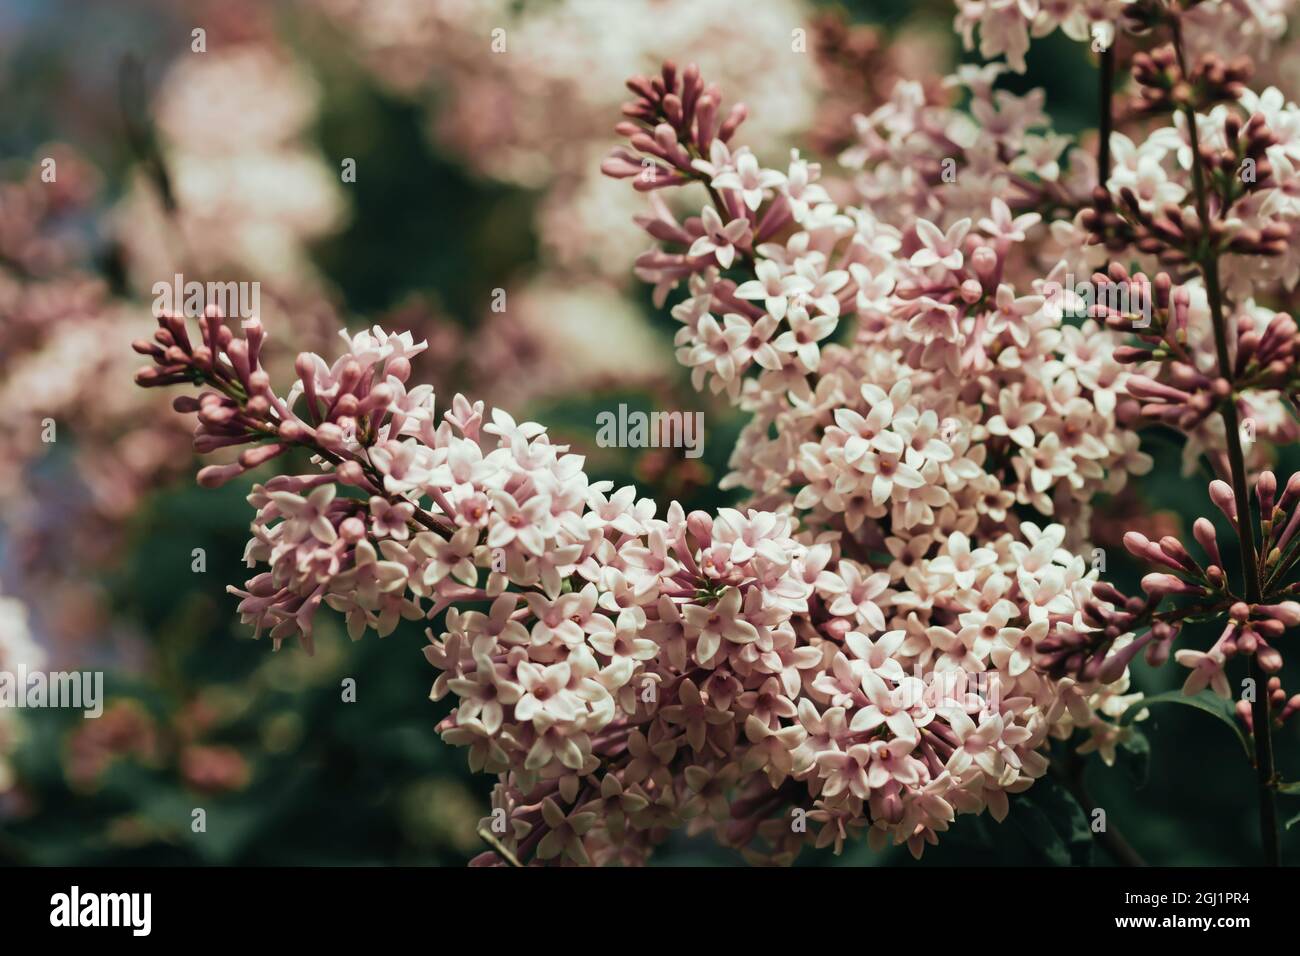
x=696 y=667
x=907 y=608
x=1201 y=186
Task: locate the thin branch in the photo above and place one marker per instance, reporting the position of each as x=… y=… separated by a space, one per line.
x=499 y=848
x=1110 y=839
x=1106 y=123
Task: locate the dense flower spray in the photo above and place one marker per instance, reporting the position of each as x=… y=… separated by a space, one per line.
x=687 y=667
x=907 y=608
x=1198 y=197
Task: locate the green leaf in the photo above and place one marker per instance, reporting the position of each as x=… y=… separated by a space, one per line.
x=1205 y=701
x=1052 y=821
x=1135 y=751
x=1290 y=789
x=1293 y=821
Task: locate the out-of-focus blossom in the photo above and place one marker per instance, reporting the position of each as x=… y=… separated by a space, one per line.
x=18 y=654
x=250 y=207
x=542 y=346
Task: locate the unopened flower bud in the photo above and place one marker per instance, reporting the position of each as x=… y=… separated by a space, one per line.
x=1287 y=612
x=330 y=437
x=700 y=525
x=1223 y=498
x=350 y=473
x=1161 y=584
x=214 y=476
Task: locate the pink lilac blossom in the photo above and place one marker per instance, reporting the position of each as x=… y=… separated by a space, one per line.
x=492 y=73
x=952 y=397
x=951 y=403
x=598 y=650
x=929 y=428
x=856 y=640
x=250 y=208
x=1147 y=213
x=1229 y=27
x=1201 y=188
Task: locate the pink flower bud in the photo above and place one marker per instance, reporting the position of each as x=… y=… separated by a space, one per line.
x=399 y=368
x=1291 y=707
x=1292 y=492
x=1269 y=659
x=1161 y=584
x=1265 y=489
x=700 y=525
x=380 y=397
x=1117 y=663
x=1203 y=531
x=984 y=261
x=252 y=457
x=1268 y=627
x=330 y=437
x=214 y=476
x=1288 y=612
x=1242 y=709
x=1223 y=498
x=1136 y=543
x=350 y=473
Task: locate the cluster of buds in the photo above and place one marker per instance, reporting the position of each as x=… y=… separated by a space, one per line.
x=1162 y=87
x=240 y=407
x=1135 y=304
x=1184 y=401
x=1173 y=386
x=1109 y=616
x=1266 y=358
x=1249 y=628
x=1175 y=234
x=1241 y=164
x=1234 y=152
x=1282 y=707
x=1279 y=522
x=676 y=119
x=1156 y=312
x=1107 y=227
x=1247 y=633
x=237 y=412
x=1206 y=593
x=1182 y=576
